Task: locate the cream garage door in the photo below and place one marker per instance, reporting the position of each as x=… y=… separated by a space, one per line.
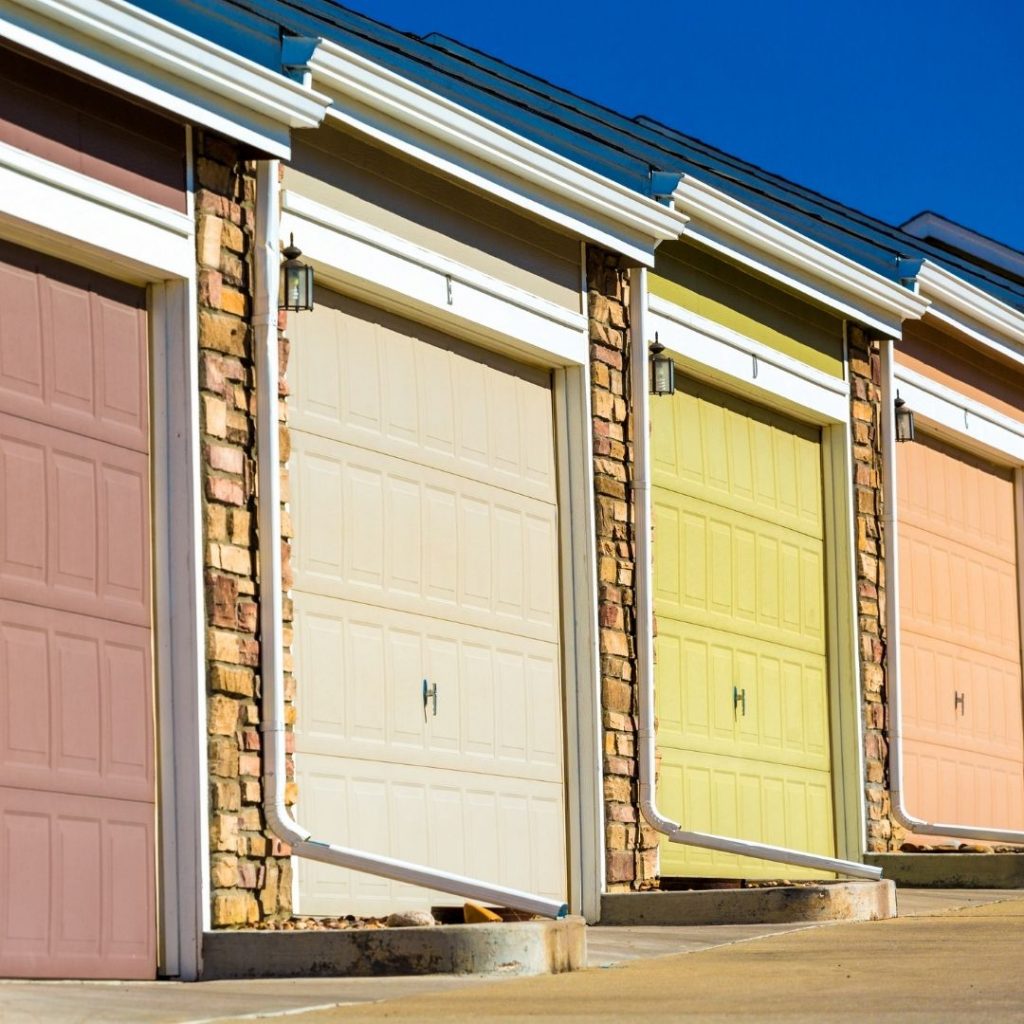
x=77 y=861
x=426 y=558
x=960 y=651
x=741 y=671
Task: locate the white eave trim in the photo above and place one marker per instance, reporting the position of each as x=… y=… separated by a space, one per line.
x=771 y=248
x=56 y=209
x=972 y=311
x=175 y=70
x=389 y=108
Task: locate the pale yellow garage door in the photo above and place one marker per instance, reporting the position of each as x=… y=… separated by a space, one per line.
x=426 y=558
x=741 y=674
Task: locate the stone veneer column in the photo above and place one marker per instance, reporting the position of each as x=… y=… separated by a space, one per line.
x=250 y=871
x=866 y=411
x=631 y=845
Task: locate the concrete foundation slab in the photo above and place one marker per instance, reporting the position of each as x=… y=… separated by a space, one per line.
x=784 y=904
x=952 y=870
x=521 y=947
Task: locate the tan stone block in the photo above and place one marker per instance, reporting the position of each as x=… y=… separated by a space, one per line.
x=225 y=457
x=216 y=522
x=224 y=832
x=222 y=593
x=225 y=795
x=291 y=793
x=268 y=894
x=603 y=405
x=222 y=645
x=222 y=757
x=249 y=764
x=222 y=333
x=224 y=872
x=231 y=679
x=233 y=238
x=208 y=240
x=221 y=715
x=230 y=908
x=252 y=791
x=215 y=413
x=256 y=846
x=235 y=559
x=240 y=526
x=225 y=490
x=249 y=819
x=233 y=301
x=614 y=641
x=619 y=866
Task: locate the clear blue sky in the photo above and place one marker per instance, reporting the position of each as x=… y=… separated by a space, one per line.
x=891 y=107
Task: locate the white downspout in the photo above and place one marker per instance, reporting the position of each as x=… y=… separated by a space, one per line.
x=278 y=818
x=892 y=622
x=644 y=574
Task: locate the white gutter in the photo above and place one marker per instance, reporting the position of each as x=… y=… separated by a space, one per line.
x=765 y=245
x=151 y=59
x=639 y=387
x=892 y=623
x=278 y=817
x=484 y=154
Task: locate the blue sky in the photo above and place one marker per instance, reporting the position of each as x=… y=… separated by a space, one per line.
x=890 y=107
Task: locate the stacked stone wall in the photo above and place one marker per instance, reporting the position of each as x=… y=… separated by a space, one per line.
x=869 y=507
x=631 y=845
x=250 y=871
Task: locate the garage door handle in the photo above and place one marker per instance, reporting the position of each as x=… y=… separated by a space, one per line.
x=739 y=700
x=429 y=696
x=958 y=701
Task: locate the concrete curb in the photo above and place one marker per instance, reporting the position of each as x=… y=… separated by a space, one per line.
x=952 y=870
x=786 y=904
x=521 y=947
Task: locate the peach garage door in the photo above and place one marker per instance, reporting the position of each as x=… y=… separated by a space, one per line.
x=959 y=637
x=741 y=676
x=426 y=608
x=77 y=805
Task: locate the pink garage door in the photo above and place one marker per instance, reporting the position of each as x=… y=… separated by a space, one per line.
x=960 y=638
x=76 y=692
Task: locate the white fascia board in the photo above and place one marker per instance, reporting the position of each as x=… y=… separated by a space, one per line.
x=972 y=311
x=965 y=418
x=930 y=225
x=175 y=70
x=736 y=360
x=743 y=234
x=45 y=203
x=473 y=149
x=349 y=252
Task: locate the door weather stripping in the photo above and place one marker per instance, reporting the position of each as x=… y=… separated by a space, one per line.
x=639 y=387
x=893 y=647
x=278 y=818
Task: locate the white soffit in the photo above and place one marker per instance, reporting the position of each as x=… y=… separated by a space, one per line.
x=473 y=149
x=169 y=67
x=742 y=234
x=971 y=311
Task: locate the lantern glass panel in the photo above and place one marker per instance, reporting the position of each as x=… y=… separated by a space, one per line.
x=664 y=376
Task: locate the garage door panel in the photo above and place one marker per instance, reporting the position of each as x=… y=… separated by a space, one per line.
x=69 y=357
x=732 y=797
x=490 y=561
x=493 y=704
x=75 y=532
x=468 y=825
x=75 y=694
x=739 y=455
x=373 y=380
x=718 y=567
x=78 y=897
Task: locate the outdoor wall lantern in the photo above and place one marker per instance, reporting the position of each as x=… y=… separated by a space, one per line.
x=904 y=420
x=663 y=370
x=296 y=281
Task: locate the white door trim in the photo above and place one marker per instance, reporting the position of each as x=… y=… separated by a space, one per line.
x=966 y=421
x=48 y=208
x=374 y=265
